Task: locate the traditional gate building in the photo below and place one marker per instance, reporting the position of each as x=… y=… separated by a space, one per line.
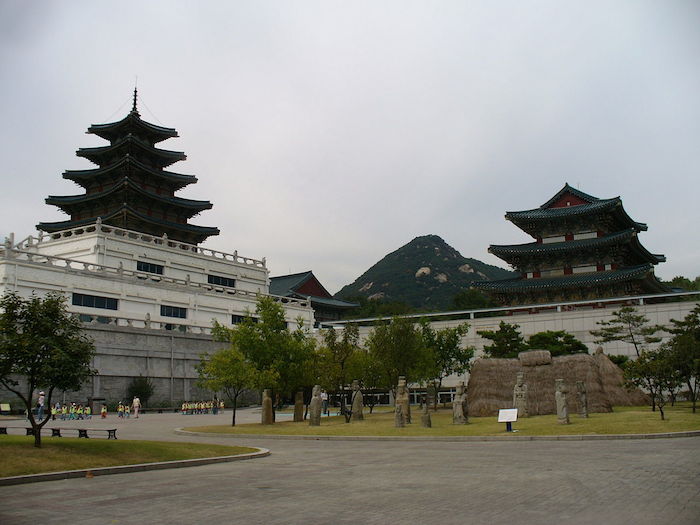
x=584 y=248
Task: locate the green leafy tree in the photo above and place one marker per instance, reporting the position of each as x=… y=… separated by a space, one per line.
x=471 y=299
x=655 y=371
x=229 y=371
x=558 y=342
x=507 y=341
x=364 y=367
x=685 y=346
x=334 y=357
x=399 y=349
x=141 y=387
x=42 y=346
x=448 y=355
x=630 y=327
x=283 y=357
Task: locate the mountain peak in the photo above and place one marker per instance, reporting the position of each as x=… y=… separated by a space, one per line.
x=425 y=273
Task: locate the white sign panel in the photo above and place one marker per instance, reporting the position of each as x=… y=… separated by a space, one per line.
x=507 y=415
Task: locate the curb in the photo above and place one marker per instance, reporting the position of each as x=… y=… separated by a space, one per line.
x=454 y=439
x=122 y=469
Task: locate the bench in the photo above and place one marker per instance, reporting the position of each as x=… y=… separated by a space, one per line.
x=56 y=432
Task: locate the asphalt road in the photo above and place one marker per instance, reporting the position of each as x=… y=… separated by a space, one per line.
x=364 y=482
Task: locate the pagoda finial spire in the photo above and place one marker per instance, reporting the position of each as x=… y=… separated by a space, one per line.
x=133 y=107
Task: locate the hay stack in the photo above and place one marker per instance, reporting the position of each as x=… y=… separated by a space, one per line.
x=491 y=383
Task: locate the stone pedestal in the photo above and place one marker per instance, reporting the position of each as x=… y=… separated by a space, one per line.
x=425 y=420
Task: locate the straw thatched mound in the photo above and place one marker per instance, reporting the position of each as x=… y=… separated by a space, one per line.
x=491 y=383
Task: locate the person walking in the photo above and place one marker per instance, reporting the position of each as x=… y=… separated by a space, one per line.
x=40 y=406
x=324 y=402
x=136 y=403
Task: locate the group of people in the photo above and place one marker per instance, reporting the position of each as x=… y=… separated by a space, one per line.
x=202 y=407
x=70 y=411
x=124 y=409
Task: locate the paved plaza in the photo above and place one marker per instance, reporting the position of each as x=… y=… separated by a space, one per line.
x=374 y=482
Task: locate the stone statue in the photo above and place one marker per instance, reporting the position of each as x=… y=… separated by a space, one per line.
x=520 y=395
x=357 y=402
x=460 y=411
x=582 y=399
x=315 y=407
x=399 y=418
x=560 y=396
x=402 y=396
x=425 y=420
x=267 y=408
x=299 y=407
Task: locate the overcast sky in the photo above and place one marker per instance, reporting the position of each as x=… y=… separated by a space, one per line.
x=328 y=134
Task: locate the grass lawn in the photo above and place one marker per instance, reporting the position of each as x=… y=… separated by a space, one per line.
x=20 y=457
x=624 y=420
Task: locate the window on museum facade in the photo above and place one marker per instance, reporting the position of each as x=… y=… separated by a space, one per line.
x=221 y=281
x=95 y=301
x=173 y=311
x=143 y=266
x=238 y=319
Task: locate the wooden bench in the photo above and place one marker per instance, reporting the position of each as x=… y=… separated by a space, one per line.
x=56 y=431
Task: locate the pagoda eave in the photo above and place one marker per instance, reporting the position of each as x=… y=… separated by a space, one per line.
x=114 y=130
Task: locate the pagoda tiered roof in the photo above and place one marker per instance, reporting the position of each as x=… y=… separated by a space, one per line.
x=586 y=248
x=128 y=218
x=132 y=124
x=509 y=252
x=587 y=280
x=129 y=188
x=68 y=201
x=175 y=180
x=128 y=146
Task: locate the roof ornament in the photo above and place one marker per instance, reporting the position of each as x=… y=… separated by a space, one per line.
x=133 y=107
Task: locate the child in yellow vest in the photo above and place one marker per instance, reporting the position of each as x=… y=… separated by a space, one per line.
x=120 y=410
x=103 y=411
x=127 y=411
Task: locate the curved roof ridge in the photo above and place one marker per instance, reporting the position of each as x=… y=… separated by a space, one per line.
x=574 y=191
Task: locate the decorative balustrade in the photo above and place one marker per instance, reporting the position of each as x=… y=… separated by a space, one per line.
x=71 y=265
x=31 y=241
x=146 y=323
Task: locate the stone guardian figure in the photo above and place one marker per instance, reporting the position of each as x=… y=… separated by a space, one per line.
x=403 y=397
x=425 y=419
x=520 y=395
x=315 y=407
x=357 y=402
x=582 y=399
x=299 y=407
x=560 y=397
x=267 y=408
x=460 y=413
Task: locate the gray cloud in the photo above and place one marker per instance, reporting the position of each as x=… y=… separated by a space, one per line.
x=330 y=133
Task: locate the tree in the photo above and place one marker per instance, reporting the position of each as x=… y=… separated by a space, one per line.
x=632 y=328
x=507 y=341
x=471 y=299
x=283 y=357
x=654 y=371
x=685 y=351
x=558 y=342
x=229 y=371
x=629 y=327
x=42 y=346
x=368 y=370
x=141 y=387
x=334 y=358
x=398 y=348
x=448 y=354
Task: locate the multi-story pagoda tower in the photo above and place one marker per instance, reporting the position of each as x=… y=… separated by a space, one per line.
x=585 y=248
x=130 y=188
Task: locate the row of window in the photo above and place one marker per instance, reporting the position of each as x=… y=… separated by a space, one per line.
x=109 y=303
x=219 y=280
